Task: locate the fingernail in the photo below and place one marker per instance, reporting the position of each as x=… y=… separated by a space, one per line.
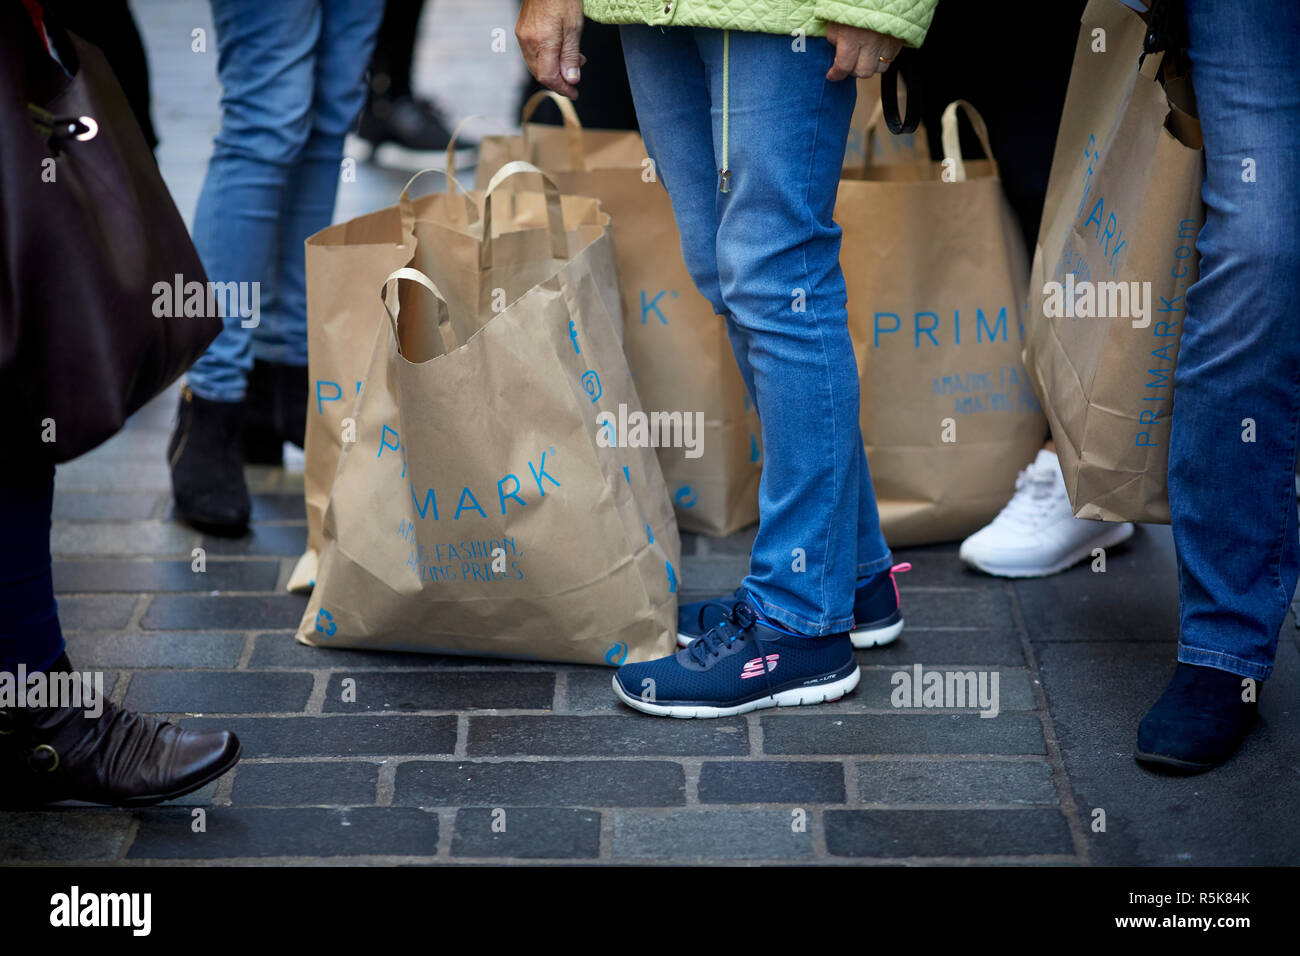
x=572 y=74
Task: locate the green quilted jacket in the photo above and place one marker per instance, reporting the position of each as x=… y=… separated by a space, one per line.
x=906 y=19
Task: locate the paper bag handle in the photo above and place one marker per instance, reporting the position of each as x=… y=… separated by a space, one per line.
x=951 y=137
x=554 y=211
x=445 y=331
x=407 y=209
x=572 y=125
x=449 y=157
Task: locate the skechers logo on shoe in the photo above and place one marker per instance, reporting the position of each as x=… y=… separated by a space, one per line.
x=754 y=668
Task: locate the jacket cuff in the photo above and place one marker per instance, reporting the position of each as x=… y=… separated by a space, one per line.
x=910 y=27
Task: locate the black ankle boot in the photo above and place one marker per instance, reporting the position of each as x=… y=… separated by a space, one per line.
x=1199 y=721
x=206 y=454
x=262 y=442
x=119 y=758
x=290 y=383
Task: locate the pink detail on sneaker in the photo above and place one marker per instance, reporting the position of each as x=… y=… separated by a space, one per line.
x=898 y=569
x=754 y=668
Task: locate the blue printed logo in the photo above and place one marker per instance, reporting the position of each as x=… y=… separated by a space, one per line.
x=616 y=654
x=649 y=534
x=627 y=474
x=325 y=623
x=753 y=447
x=652 y=305
x=591 y=384
x=573 y=337
x=686 y=496
x=672 y=577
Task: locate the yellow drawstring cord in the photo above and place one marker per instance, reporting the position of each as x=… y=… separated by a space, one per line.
x=724 y=174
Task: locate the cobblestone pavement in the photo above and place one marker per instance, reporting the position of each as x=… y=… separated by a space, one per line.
x=414 y=771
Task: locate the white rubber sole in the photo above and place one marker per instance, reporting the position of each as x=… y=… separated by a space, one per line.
x=794 y=697
x=878 y=637
x=1116 y=534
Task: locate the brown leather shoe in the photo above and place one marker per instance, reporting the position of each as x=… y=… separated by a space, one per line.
x=120 y=758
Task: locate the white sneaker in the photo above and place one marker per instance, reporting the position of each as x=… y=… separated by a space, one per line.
x=1037 y=534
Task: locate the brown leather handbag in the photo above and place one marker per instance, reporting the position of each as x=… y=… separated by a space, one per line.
x=88 y=233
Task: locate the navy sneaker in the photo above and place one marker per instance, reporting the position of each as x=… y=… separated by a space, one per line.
x=877 y=619
x=744 y=663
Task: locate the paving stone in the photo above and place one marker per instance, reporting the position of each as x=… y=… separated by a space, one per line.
x=1241 y=814
x=289 y=540
x=955 y=782
x=939 y=567
x=50 y=836
x=739 y=543
x=253 y=832
x=281 y=649
x=529 y=833
x=623 y=736
x=331 y=784
x=219 y=692
x=336 y=736
x=959 y=833
x=988 y=647
x=716 y=575
x=564 y=783
x=1135 y=600
x=87 y=474
x=120 y=575
x=170 y=612
x=459 y=690
x=876 y=689
x=108 y=538
x=590 y=689
x=771 y=781
x=96 y=612
x=154 y=649
x=738 y=834
x=275 y=507
x=958 y=607
x=103 y=506
x=902 y=733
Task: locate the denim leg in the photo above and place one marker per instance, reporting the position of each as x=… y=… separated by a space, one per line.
x=347 y=36
x=266 y=64
x=29 y=629
x=778 y=262
x=1233 y=501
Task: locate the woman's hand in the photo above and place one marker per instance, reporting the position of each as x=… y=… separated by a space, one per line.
x=859 y=52
x=548 y=32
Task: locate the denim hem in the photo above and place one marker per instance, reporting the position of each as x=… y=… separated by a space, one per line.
x=227 y=396
x=801 y=625
x=875 y=567
x=1224 y=662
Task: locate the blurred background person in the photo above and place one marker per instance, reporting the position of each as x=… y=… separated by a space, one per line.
x=292 y=79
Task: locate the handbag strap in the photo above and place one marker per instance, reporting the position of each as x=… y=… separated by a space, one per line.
x=904 y=69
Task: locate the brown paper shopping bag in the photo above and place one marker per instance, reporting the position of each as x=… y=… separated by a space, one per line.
x=477 y=511
x=935 y=268
x=345 y=263
x=676 y=345
x=1116 y=253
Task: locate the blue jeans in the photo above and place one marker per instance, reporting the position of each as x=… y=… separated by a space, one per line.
x=766 y=255
x=291 y=76
x=1233 y=501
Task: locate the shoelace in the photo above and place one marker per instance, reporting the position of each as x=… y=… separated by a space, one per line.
x=737 y=596
x=742 y=618
x=1035 y=490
